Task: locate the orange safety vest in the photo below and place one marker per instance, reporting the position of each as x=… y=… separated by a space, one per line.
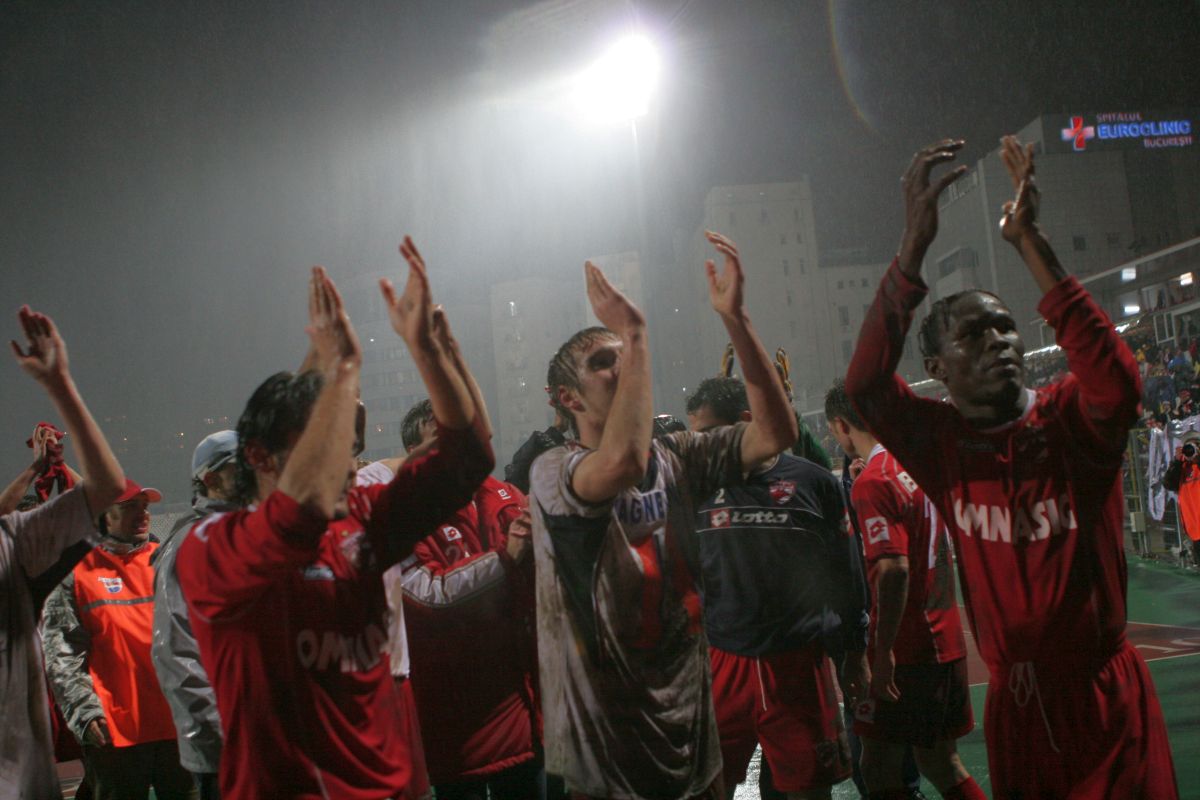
x=114 y=597
x=1189 y=500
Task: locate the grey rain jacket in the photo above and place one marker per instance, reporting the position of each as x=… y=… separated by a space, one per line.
x=177 y=657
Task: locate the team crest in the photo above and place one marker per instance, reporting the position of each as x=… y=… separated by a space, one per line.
x=719 y=518
x=111 y=585
x=865 y=711
x=782 y=491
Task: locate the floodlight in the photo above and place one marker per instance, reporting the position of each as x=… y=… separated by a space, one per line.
x=1132 y=308
x=1185 y=279
x=619 y=85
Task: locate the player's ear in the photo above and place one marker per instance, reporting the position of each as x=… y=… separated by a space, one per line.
x=568 y=399
x=935 y=369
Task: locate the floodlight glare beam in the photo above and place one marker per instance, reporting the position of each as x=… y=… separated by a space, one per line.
x=618 y=86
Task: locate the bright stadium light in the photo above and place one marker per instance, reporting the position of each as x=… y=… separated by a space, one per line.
x=617 y=88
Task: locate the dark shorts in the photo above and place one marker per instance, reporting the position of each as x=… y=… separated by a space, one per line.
x=934 y=705
x=788 y=703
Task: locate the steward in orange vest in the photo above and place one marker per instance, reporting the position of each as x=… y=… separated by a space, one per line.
x=96 y=633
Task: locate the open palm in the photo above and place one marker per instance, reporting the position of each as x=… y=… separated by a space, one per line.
x=725 y=288
x=333 y=337
x=614 y=310
x=45 y=353
x=411 y=312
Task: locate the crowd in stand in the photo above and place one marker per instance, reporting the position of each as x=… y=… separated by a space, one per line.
x=640 y=604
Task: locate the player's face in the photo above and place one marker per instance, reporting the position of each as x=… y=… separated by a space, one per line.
x=130 y=521
x=982 y=359
x=598 y=367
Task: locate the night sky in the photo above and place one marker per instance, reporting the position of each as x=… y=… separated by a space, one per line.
x=171 y=169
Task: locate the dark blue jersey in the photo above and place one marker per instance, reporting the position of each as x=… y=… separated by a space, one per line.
x=780 y=567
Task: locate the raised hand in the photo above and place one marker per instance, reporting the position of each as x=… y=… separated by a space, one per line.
x=45 y=355
x=412 y=312
x=1019 y=216
x=920 y=200
x=442 y=333
x=725 y=288
x=611 y=307
x=334 y=342
x=41 y=441
x=1017 y=158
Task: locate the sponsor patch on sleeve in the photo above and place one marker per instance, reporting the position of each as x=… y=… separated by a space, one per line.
x=877 y=530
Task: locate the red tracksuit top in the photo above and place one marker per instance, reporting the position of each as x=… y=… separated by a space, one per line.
x=291 y=617
x=1034 y=506
x=469 y=611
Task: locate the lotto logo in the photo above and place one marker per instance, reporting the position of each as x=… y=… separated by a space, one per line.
x=451 y=533
x=720 y=519
x=504 y=495
x=865 y=711
x=111 y=585
x=877 y=530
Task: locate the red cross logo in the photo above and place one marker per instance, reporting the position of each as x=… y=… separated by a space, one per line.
x=1077 y=134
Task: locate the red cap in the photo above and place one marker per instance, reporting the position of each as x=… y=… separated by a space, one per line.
x=132 y=490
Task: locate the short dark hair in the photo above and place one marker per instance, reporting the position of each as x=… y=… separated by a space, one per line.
x=410 y=426
x=278 y=408
x=563 y=372
x=937 y=321
x=838 y=406
x=726 y=397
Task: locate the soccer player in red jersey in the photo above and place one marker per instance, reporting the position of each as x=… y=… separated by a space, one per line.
x=919 y=690
x=1029 y=483
x=286 y=597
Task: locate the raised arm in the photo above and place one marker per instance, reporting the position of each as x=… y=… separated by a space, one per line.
x=1110 y=384
x=623 y=454
x=880 y=395
x=772 y=427
x=412 y=316
x=445 y=337
x=44 y=358
x=313 y=475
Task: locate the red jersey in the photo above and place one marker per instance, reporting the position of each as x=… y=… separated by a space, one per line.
x=469 y=612
x=1035 y=505
x=290 y=614
x=899 y=520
